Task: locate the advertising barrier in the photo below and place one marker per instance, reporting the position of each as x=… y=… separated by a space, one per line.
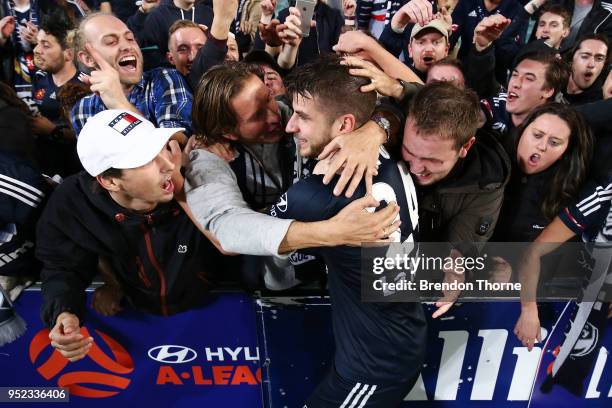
x=473 y=357
x=237 y=351
x=204 y=357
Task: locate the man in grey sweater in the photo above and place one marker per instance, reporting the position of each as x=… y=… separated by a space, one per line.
x=216 y=203
x=233 y=108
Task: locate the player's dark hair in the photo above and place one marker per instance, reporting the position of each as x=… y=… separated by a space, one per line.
x=336 y=91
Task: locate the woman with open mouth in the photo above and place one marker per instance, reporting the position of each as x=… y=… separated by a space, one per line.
x=551 y=153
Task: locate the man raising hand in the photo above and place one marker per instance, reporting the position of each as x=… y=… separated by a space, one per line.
x=105 y=45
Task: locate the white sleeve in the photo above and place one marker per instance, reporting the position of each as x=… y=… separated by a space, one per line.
x=217 y=204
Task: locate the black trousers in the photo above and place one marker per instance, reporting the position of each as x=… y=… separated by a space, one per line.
x=337 y=392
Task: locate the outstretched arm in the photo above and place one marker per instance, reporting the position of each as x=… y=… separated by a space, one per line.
x=214 y=50
x=527 y=327
x=217 y=205
x=362 y=45
x=480 y=69
x=290 y=33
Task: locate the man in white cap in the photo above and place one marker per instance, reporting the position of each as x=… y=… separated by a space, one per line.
x=122 y=209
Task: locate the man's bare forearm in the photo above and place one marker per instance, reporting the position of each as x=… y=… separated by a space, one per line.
x=302 y=235
x=288 y=56
x=351 y=226
x=393 y=66
x=529 y=275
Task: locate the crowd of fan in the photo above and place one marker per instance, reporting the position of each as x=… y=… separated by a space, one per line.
x=500 y=109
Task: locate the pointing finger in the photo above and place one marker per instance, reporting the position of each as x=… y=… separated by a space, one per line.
x=100 y=62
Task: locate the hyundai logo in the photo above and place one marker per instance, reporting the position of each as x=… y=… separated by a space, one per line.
x=172 y=354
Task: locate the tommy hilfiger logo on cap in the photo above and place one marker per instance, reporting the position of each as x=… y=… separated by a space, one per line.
x=124 y=123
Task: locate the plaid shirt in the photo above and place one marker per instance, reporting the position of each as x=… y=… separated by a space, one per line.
x=162 y=96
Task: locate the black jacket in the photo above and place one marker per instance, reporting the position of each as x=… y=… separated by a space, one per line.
x=593 y=93
x=521 y=218
x=597 y=115
x=465 y=205
x=158 y=258
x=480 y=72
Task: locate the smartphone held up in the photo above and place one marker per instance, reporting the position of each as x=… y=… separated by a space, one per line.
x=306 y=8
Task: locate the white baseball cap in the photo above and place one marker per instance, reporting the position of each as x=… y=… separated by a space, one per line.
x=120 y=139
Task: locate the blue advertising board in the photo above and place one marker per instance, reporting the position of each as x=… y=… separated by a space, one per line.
x=473 y=357
x=271 y=352
x=203 y=357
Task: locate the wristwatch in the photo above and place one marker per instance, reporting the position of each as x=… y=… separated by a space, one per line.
x=383 y=123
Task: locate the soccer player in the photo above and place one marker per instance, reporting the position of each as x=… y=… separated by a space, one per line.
x=379 y=347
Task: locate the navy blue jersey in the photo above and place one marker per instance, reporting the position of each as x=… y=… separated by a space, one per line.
x=44 y=93
x=591 y=215
x=375 y=342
